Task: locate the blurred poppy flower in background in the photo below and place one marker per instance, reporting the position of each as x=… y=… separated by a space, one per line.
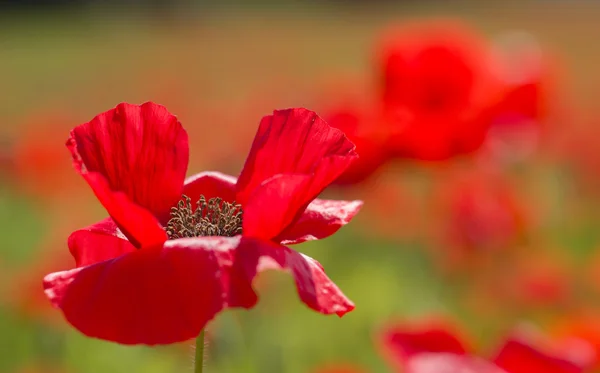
x=436 y=88
x=367 y=132
x=528 y=102
x=479 y=215
x=578 y=150
x=163 y=265
x=431 y=348
x=526 y=279
x=572 y=329
x=345 y=103
x=38 y=167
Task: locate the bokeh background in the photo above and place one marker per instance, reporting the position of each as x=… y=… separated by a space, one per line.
x=494 y=240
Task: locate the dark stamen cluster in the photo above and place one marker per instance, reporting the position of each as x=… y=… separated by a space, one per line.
x=214 y=217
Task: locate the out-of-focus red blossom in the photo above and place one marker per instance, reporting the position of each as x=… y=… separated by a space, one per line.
x=580 y=151
x=138 y=282
x=540 y=280
x=367 y=132
x=38 y=166
x=481 y=215
x=352 y=112
x=527 y=350
x=437 y=89
x=527 y=278
x=429 y=349
x=575 y=328
x=528 y=100
x=401 y=342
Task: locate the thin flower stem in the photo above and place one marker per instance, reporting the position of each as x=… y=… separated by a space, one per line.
x=199 y=358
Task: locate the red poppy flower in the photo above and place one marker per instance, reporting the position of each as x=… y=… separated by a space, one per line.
x=481 y=215
x=528 y=97
x=436 y=89
x=352 y=111
x=401 y=342
x=37 y=166
x=578 y=331
x=164 y=265
x=434 y=349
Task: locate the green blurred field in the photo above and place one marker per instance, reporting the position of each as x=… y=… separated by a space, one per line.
x=239 y=64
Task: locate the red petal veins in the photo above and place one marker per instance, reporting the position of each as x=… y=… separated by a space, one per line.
x=321 y=219
x=97 y=243
x=519 y=357
x=315 y=289
x=140 y=150
x=295 y=143
x=151 y=296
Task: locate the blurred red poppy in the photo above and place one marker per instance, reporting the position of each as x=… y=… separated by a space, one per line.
x=481 y=216
x=368 y=133
x=577 y=328
x=401 y=342
x=579 y=149
x=436 y=88
x=528 y=99
x=164 y=265
x=37 y=166
x=431 y=348
x=346 y=105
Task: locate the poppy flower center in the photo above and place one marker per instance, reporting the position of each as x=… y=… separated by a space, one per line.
x=213 y=217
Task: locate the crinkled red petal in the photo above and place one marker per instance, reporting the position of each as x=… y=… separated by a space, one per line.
x=140 y=150
x=162 y=295
x=157 y=295
x=139 y=225
x=296 y=148
x=321 y=219
x=315 y=289
x=97 y=243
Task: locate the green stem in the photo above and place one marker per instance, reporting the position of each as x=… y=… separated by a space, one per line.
x=199 y=359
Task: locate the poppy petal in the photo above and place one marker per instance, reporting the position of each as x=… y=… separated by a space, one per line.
x=321 y=219
x=519 y=357
x=267 y=212
x=401 y=343
x=298 y=144
x=139 y=150
x=97 y=243
x=157 y=295
x=449 y=363
x=315 y=289
x=139 y=225
x=210 y=184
